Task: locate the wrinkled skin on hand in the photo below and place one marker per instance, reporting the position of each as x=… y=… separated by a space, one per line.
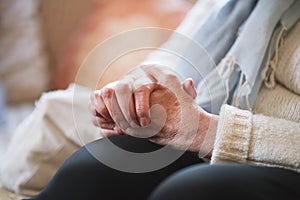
x=123 y=107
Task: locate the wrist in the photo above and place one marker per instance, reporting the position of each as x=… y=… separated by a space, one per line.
x=208 y=141
x=204 y=140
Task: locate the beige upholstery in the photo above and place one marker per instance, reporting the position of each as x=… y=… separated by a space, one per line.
x=60 y=18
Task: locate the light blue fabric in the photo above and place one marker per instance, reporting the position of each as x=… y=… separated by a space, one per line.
x=215 y=36
x=238 y=77
x=251 y=46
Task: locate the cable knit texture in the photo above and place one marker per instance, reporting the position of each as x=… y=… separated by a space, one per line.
x=278 y=102
x=233 y=135
x=287 y=70
x=270 y=135
x=256 y=139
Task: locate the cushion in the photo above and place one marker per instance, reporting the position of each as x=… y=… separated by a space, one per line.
x=23 y=60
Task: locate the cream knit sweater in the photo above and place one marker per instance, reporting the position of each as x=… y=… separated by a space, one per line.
x=270 y=136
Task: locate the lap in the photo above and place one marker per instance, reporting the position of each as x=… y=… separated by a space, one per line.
x=83 y=176
x=230 y=181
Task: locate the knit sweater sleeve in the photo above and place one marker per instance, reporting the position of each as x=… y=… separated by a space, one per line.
x=256 y=139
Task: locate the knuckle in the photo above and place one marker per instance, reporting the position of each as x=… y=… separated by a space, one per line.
x=122 y=87
x=103 y=110
x=141 y=90
x=171 y=77
x=107 y=92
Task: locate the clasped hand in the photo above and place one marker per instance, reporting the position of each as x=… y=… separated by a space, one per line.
x=151 y=102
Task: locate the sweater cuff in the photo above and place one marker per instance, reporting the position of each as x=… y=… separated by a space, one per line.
x=233 y=135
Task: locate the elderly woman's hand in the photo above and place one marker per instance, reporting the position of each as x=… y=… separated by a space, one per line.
x=151 y=102
x=134 y=105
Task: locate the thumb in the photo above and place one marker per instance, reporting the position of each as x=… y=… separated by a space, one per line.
x=189 y=87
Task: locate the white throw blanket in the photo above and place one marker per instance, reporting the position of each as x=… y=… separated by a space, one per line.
x=46 y=138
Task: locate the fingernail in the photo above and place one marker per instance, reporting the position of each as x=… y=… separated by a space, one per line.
x=191 y=82
x=144 y=121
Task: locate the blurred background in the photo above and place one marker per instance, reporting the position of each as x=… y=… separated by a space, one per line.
x=44 y=42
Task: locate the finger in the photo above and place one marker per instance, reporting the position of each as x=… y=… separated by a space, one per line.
x=97 y=106
x=133 y=113
x=102 y=123
x=163 y=75
x=101 y=108
x=92 y=109
x=91 y=106
x=123 y=92
x=189 y=87
x=143 y=86
x=110 y=101
x=142 y=103
x=108 y=133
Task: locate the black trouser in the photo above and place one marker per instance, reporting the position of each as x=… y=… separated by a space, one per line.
x=84 y=177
